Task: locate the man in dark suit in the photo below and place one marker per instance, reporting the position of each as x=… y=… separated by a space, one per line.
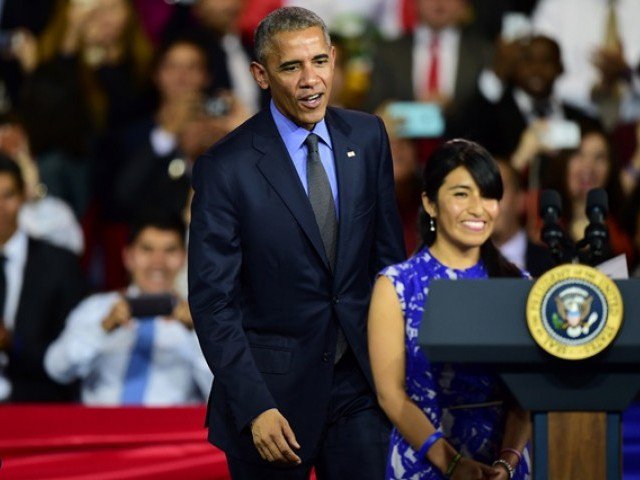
x=439 y=62
x=525 y=102
x=39 y=285
x=288 y=231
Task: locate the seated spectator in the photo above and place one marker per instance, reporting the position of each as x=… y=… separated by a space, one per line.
x=630 y=174
x=590 y=166
x=58 y=127
x=601 y=43
x=528 y=103
x=103 y=44
x=42 y=216
x=440 y=62
x=123 y=357
x=632 y=220
x=39 y=285
x=148 y=162
x=509 y=234
x=229 y=55
x=158 y=152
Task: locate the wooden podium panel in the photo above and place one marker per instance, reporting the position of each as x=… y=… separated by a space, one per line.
x=577 y=445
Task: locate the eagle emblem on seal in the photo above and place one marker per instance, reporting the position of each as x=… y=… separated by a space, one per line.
x=574 y=314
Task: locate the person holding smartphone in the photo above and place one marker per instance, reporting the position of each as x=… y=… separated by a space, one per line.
x=136 y=347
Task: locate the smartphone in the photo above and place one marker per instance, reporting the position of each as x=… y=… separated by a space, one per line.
x=417 y=119
x=151 y=305
x=217 y=106
x=561 y=134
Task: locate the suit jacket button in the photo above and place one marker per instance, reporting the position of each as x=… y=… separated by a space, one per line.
x=335 y=300
x=325 y=357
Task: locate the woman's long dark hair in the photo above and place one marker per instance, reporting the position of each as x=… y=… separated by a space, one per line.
x=484 y=171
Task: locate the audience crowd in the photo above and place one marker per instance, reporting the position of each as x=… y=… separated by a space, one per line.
x=106 y=104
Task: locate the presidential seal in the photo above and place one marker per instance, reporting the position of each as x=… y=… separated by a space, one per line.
x=574 y=311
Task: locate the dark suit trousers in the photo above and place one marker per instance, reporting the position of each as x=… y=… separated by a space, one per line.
x=355 y=442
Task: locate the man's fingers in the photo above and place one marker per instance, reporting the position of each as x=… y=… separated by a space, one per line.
x=286 y=451
x=274 y=451
x=289 y=435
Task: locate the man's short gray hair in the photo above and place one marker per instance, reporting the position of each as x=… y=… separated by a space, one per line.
x=285 y=19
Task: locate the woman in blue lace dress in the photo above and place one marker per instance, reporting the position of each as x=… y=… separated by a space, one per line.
x=450 y=421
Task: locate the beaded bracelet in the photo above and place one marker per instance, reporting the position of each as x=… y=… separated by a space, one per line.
x=452 y=465
x=504 y=464
x=428 y=443
x=512 y=450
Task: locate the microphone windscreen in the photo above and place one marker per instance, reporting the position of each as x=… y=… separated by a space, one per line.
x=597 y=198
x=550 y=199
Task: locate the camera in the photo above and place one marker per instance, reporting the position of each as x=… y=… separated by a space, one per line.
x=217 y=106
x=152 y=305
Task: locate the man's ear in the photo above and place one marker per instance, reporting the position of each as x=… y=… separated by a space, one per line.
x=260 y=75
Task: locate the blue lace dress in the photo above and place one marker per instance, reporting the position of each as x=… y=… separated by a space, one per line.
x=475 y=432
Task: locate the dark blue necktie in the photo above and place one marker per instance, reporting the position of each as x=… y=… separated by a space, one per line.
x=137 y=376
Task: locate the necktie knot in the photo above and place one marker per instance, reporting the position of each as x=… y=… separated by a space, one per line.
x=312 y=143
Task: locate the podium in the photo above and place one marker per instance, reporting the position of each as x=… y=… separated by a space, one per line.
x=482 y=322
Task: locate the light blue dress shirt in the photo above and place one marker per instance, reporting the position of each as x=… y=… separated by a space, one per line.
x=294 y=137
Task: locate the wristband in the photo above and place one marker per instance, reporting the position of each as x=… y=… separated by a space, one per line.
x=504 y=464
x=452 y=465
x=428 y=443
x=512 y=450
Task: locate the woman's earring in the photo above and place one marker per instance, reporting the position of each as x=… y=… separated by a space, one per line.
x=432 y=225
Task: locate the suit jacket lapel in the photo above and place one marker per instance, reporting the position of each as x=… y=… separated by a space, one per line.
x=277 y=167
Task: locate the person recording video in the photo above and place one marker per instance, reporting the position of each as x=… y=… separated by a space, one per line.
x=136 y=347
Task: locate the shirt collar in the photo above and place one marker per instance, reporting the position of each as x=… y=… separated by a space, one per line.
x=294 y=135
x=423 y=34
x=16 y=247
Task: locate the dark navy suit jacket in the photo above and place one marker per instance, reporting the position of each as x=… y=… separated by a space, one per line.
x=264 y=300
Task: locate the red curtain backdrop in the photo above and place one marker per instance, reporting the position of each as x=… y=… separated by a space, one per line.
x=80 y=443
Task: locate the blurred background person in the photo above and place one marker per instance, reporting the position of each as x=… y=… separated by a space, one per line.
x=57 y=123
x=148 y=162
x=39 y=285
x=42 y=216
x=20 y=23
x=509 y=233
x=600 y=41
x=527 y=102
x=440 y=62
x=632 y=222
x=103 y=43
x=229 y=54
x=123 y=357
x=590 y=166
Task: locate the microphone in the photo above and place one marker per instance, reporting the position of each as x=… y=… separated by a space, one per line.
x=596 y=235
x=552 y=235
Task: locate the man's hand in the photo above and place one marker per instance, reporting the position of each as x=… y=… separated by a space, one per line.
x=182 y=313
x=119 y=315
x=274 y=438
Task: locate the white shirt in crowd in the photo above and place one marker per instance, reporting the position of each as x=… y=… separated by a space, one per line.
x=178 y=373
x=15 y=251
x=449 y=41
